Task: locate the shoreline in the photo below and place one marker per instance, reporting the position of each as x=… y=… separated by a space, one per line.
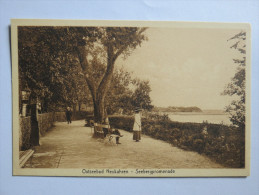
x=194 y=113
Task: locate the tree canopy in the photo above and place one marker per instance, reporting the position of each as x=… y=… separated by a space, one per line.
x=237 y=85
x=126 y=93
x=110 y=43
x=48 y=68
x=60 y=65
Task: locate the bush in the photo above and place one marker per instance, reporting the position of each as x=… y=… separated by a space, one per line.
x=79 y=115
x=122 y=122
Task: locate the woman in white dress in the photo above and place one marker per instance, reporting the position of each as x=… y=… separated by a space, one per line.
x=137 y=126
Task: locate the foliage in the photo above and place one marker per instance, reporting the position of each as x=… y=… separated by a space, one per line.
x=158 y=117
x=141 y=96
x=110 y=43
x=118 y=98
x=237 y=85
x=122 y=122
x=60 y=64
x=47 y=66
x=126 y=93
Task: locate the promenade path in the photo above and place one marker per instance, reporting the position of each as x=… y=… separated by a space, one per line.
x=72 y=146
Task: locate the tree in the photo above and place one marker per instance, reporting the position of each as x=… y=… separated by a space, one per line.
x=45 y=67
x=47 y=56
x=237 y=85
x=49 y=69
x=141 y=97
x=110 y=43
x=119 y=94
x=126 y=93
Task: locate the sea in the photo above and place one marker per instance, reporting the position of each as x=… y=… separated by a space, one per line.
x=200 y=117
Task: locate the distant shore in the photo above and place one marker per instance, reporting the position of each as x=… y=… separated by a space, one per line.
x=204 y=112
x=188 y=110
x=177 y=109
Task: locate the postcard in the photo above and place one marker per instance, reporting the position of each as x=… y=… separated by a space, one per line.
x=130 y=98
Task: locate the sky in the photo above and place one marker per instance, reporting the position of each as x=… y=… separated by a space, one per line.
x=185 y=66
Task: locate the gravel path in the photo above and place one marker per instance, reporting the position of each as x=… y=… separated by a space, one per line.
x=72 y=146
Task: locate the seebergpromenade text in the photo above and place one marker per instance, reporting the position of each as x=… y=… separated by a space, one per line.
x=126 y=172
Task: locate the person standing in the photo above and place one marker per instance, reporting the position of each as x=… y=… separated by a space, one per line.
x=68 y=115
x=137 y=126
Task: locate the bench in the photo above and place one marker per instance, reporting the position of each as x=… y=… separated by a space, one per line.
x=100 y=131
x=24 y=156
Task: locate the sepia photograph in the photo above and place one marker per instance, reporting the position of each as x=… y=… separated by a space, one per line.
x=130 y=98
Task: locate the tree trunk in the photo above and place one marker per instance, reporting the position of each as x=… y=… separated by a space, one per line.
x=99 y=106
x=74 y=113
x=79 y=106
x=98 y=92
x=98 y=110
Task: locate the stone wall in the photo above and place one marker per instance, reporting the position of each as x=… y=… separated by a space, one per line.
x=60 y=116
x=45 y=121
x=24 y=133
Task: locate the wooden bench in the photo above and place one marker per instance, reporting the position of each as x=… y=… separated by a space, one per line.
x=24 y=156
x=98 y=131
